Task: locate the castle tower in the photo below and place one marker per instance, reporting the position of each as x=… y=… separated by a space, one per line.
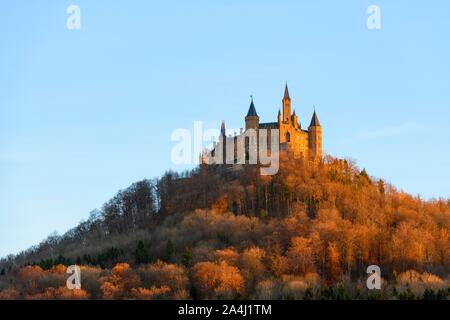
x=294 y=119
x=251 y=142
x=252 y=118
x=222 y=129
x=315 y=137
x=223 y=142
x=286 y=105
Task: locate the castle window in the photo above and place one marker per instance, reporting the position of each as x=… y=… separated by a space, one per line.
x=247 y=146
x=288 y=137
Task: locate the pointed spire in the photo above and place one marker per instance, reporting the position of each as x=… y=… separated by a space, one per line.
x=315 y=120
x=222 y=129
x=286 y=92
x=293 y=113
x=252 y=110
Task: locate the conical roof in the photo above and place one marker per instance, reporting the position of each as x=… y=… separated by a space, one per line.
x=251 y=110
x=286 y=92
x=315 y=120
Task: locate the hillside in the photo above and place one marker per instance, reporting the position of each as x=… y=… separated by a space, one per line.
x=309 y=232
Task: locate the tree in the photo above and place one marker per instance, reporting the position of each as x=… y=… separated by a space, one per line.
x=221 y=205
x=252 y=266
x=141 y=254
x=160 y=274
x=277 y=263
x=9 y=294
x=120 y=283
x=309 y=295
x=217 y=280
x=153 y=293
x=333 y=263
x=301 y=256
x=109 y=257
x=186 y=259
x=363 y=174
x=169 y=249
x=263 y=214
x=229 y=255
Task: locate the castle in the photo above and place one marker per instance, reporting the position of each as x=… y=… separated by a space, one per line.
x=289 y=135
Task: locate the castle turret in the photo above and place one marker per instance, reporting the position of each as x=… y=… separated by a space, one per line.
x=223 y=143
x=294 y=119
x=222 y=129
x=315 y=137
x=252 y=118
x=286 y=105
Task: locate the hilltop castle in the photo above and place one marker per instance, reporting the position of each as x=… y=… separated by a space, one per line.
x=290 y=135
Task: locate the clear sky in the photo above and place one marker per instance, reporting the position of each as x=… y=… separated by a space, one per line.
x=84 y=113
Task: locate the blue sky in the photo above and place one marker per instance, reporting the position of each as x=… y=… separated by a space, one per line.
x=84 y=113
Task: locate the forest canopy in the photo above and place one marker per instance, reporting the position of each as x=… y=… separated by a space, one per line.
x=309 y=232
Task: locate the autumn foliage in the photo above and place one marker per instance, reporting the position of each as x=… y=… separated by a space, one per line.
x=309 y=232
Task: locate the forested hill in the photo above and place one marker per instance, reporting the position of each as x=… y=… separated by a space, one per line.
x=310 y=231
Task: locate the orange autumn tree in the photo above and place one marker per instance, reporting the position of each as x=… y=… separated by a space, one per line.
x=333 y=263
x=120 y=283
x=217 y=280
x=9 y=294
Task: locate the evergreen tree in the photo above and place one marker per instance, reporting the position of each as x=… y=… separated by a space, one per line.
x=169 y=249
x=309 y=295
x=429 y=294
x=187 y=257
x=141 y=254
